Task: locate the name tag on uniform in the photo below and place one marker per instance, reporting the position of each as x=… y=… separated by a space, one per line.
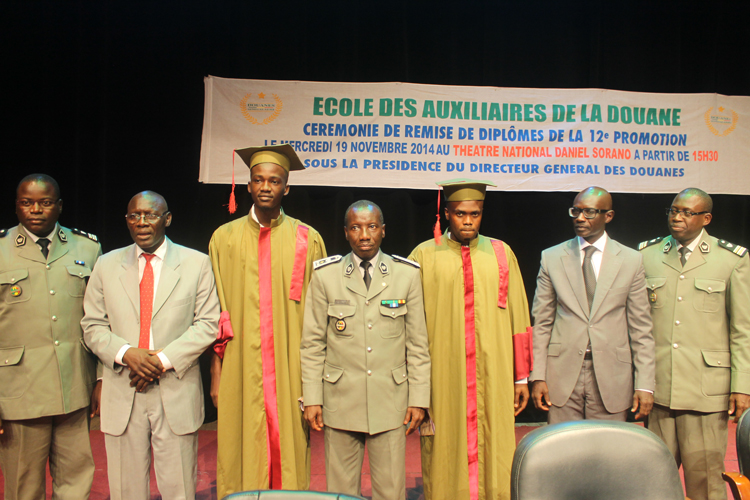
x=343 y=302
x=393 y=303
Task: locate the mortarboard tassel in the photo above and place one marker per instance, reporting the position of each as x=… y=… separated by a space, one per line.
x=232 y=201
x=436 y=229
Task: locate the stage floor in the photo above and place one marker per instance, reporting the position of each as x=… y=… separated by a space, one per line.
x=207 y=466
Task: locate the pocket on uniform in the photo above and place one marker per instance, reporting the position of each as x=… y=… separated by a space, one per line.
x=392 y=319
x=15 y=286
x=12 y=372
x=654 y=286
x=338 y=314
x=77 y=277
x=716 y=373
x=331 y=375
x=709 y=296
x=401 y=395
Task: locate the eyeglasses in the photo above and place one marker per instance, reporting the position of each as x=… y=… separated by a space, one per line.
x=25 y=203
x=150 y=218
x=588 y=213
x=672 y=212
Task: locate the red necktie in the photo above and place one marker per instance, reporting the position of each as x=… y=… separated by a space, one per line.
x=147 y=302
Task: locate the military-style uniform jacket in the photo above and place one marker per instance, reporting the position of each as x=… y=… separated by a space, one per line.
x=365 y=353
x=45 y=368
x=701 y=320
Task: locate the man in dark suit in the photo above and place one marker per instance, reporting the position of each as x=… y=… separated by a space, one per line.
x=592 y=327
x=151 y=307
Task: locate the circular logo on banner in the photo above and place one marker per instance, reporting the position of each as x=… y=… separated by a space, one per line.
x=722 y=122
x=261 y=109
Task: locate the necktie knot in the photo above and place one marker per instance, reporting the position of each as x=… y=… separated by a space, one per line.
x=148 y=256
x=589 y=251
x=44 y=244
x=365 y=265
x=683 y=255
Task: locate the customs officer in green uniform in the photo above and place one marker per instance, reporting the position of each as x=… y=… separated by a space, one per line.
x=46 y=372
x=699 y=291
x=365 y=358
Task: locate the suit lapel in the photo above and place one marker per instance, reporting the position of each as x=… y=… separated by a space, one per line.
x=168 y=278
x=611 y=263
x=671 y=257
x=381 y=276
x=696 y=257
x=28 y=249
x=571 y=262
x=353 y=277
x=129 y=278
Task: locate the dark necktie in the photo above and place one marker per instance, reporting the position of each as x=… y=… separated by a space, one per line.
x=147 y=302
x=589 y=277
x=683 y=255
x=365 y=264
x=44 y=243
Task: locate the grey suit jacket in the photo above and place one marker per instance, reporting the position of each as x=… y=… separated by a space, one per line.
x=184 y=322
x=365 y=353
x=619 y=324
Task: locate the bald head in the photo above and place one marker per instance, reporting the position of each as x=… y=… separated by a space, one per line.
x=362 y=206
x=707 y=204
x=600 y=194
x=148 y=234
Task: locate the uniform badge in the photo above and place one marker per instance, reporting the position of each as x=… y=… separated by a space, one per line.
x=705 y=247
x=343 y=302
x=20 y=240
x=652 y=297
x=62 y=236
x=80 y=263
x=667 y=247
x=15 y=291
x=340 y=325
x=383 y=268
x=393 y=303
x=348 y=271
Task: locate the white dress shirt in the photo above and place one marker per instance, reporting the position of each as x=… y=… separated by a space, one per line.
x=596 y=257
x=691 y=246
x=372 y=261
x=156 y=265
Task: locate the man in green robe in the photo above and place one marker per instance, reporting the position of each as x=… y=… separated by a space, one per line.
x=480 y=344
x=262 y=263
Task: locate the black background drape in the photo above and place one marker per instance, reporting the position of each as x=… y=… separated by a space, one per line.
x=107 y=97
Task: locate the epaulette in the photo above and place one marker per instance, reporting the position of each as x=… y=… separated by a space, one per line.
x=90 y=236
x=741 y=251
x=648 y=243
x=324 y=262
x=3 y=232
x=404 y=260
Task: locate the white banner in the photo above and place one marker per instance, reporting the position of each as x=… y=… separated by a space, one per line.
x=404 y=135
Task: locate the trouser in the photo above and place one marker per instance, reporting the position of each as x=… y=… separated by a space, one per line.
x=345 y=453
x=585 y=403
x=698 y=442
x=129 y=455
x=26 y=445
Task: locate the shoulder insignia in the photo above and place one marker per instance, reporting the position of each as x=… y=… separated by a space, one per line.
x=403 y=260
x=20 y=240
x=741 y=251
x=90 y=236
x=62 y=236
x=3 y=233
x=324 y=262
x=648 y=243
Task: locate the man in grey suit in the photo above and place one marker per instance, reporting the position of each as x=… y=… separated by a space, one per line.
x=151 y=307
x=46 y=373
x=592 y=330
x=365 y=358
x=699 y=291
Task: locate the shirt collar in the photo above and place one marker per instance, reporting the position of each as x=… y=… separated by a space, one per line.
x=693 y=244
x=598 y=244
x=160 y=252
x=35 y=238
x=373 y=261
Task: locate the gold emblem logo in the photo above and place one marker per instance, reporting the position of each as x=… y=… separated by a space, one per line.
x=722 y=122
x=260 y=109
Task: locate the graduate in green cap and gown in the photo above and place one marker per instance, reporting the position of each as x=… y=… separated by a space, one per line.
x=262 y=263
x=480 y=345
